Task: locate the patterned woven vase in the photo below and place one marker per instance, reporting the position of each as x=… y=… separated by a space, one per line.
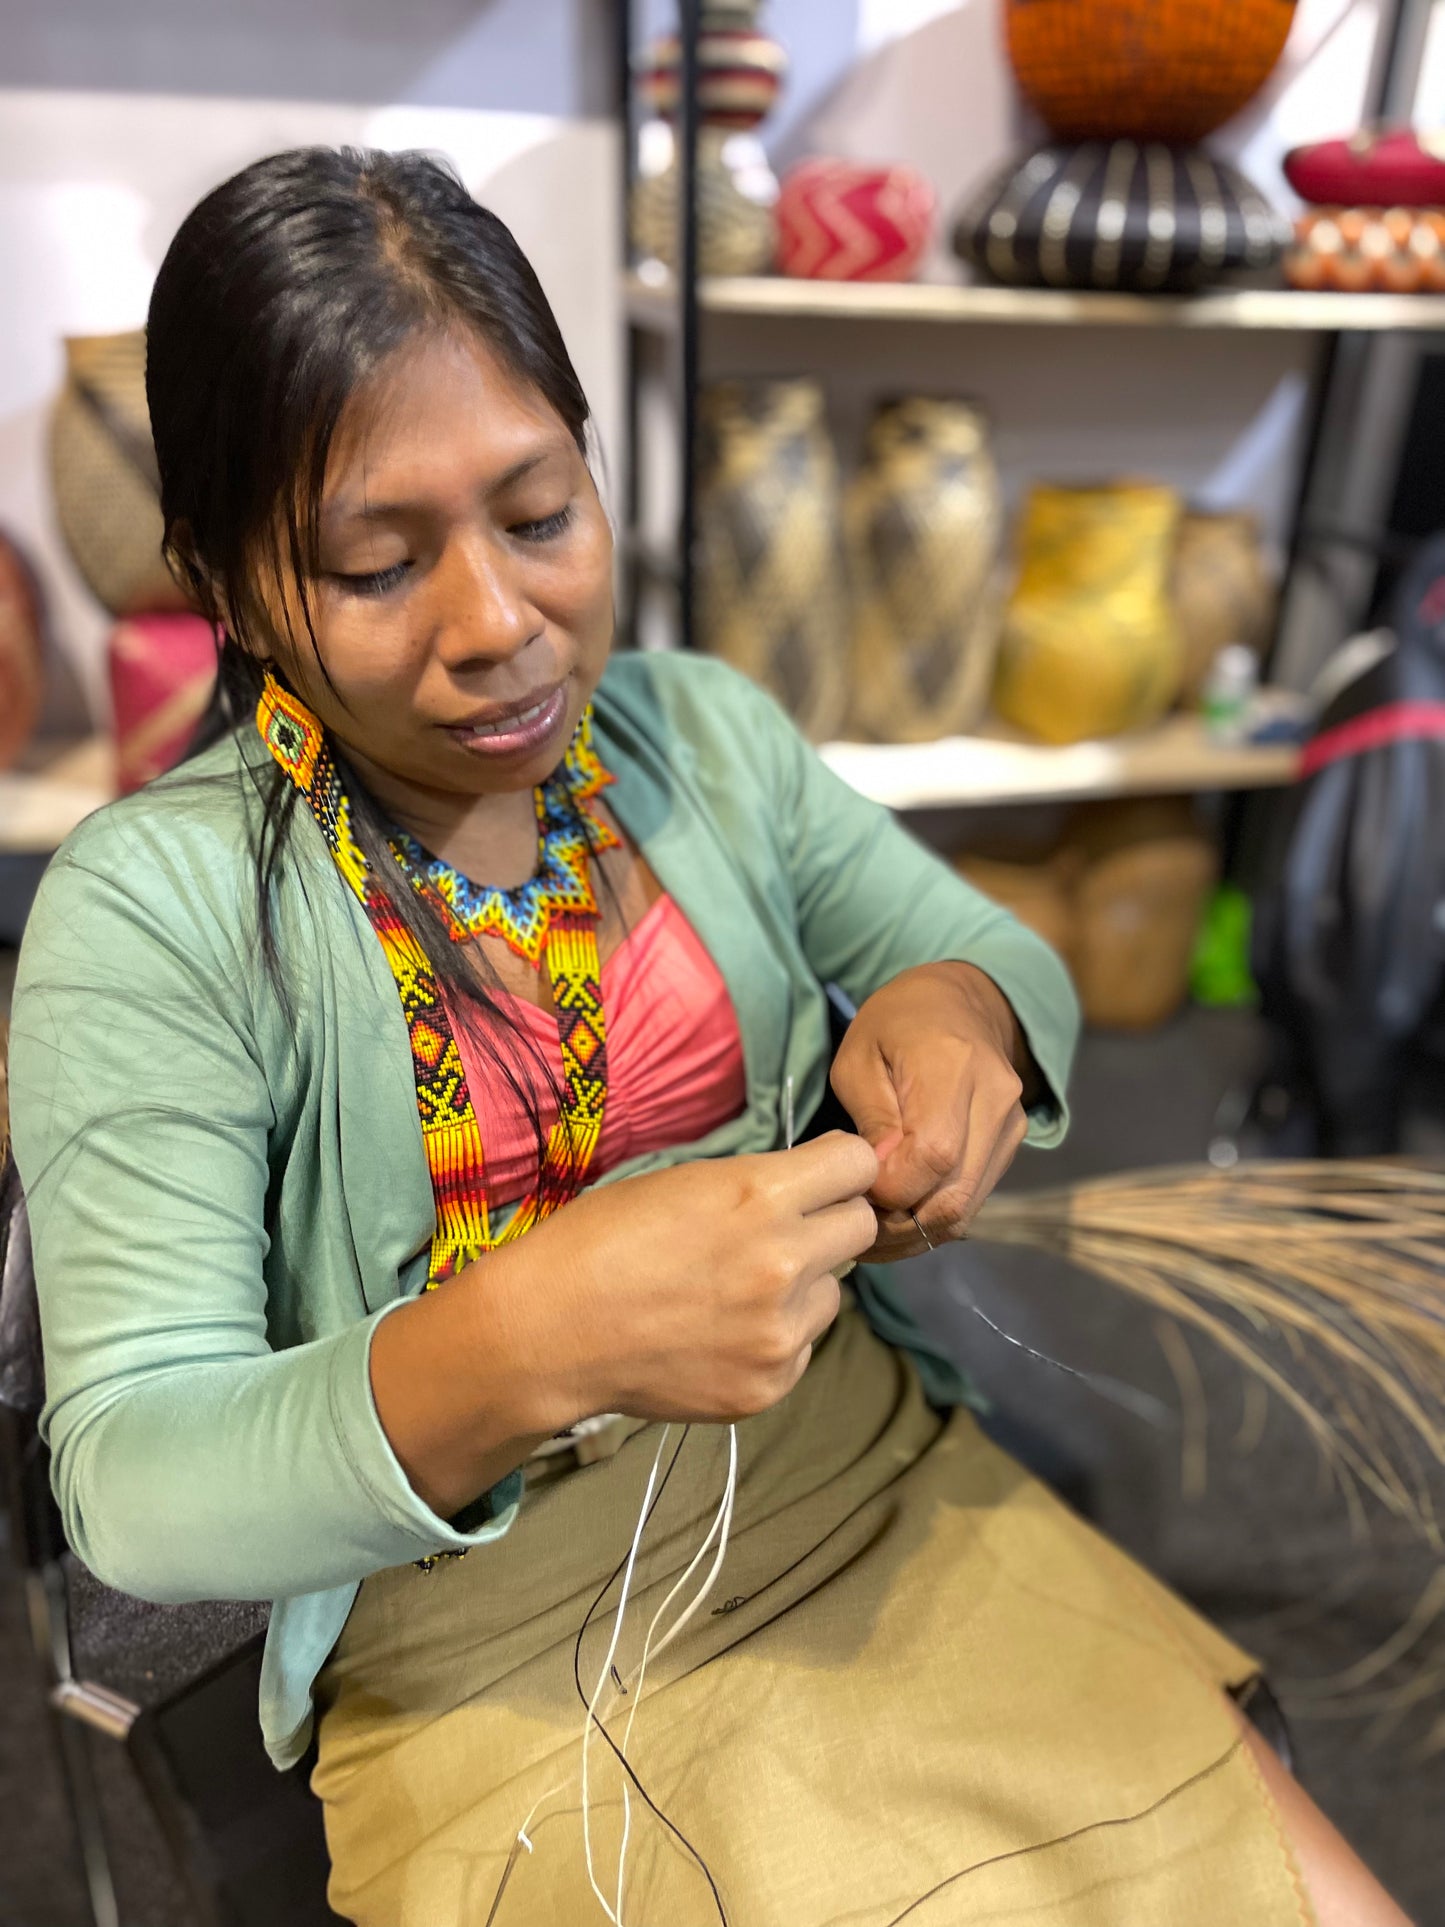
x=21 y=676
x=740 y=70
x=1222 y=592
x=924 y=520
x=1091 y=646
x=771 y=597
x=1118 y=214
x=1169 y=70
x=736 y=224
x=1146 y=870
x=839 y=222
x=1358 y=250
x=103 y=471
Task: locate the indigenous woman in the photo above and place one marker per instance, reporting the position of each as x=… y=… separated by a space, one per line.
x=399 y=1089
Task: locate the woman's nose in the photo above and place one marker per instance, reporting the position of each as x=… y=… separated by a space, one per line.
x=482 y=610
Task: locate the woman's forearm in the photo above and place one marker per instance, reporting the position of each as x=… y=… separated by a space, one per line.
x=466 y=1382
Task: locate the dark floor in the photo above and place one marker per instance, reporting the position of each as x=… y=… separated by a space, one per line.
x=1266 y=1550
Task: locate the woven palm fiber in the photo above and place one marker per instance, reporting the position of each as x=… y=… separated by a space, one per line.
x=1118 y=214
x=1170 y=70
x=841 y=222
x=21 y=680
x=1039 y=892
x=1120 y=899
x=1091 y=646
x=1222 y=591
x=1144 y=871
x=771 y=594
x=740 y=68
x=162 y=671
x=103 y=471
x=924 y=522
x=736 y=233
x=1356 y=250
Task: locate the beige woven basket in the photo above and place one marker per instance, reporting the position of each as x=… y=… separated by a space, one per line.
x=103 y=471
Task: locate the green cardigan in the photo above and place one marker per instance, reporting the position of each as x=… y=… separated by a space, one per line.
x=225 y=1201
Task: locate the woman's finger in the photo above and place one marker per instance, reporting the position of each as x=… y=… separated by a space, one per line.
x=993 y=1138
x=824 y=1172
x=837 y=1236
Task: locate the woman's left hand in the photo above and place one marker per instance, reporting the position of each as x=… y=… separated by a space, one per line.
x=932 y=1072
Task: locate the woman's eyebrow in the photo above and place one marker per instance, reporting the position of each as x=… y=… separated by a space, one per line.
x=343 y=509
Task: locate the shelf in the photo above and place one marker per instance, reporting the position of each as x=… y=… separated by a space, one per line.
x=653 y=304
x=58 y=786
x=41 y=805
x=973 y=771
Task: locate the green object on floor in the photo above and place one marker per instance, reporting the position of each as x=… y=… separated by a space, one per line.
x=1219 y=974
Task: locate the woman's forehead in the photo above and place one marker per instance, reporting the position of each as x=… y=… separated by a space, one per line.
x=441 y=403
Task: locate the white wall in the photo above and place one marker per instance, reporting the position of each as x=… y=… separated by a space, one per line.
x=93 y=185
x=521 y=56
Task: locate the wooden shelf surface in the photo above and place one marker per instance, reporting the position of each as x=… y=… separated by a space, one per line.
x=652 y=303
x=1177 y=756
x=41 y=804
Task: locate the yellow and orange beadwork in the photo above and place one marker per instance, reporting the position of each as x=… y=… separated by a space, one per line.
x=554 y=916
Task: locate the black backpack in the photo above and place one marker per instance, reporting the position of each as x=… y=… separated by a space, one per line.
x=1349 y=944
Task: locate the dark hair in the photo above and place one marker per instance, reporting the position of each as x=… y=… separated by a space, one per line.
x=282 y=292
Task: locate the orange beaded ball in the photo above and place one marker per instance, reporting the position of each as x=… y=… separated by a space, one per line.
x=1168 y=70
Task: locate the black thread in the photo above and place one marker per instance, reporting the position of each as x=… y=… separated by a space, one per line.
x=1063 y=1839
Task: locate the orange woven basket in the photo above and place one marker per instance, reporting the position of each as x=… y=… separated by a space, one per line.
x=1170 y=70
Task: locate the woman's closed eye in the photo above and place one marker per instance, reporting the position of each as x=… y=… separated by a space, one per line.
x=379 y=582
x=546 y=529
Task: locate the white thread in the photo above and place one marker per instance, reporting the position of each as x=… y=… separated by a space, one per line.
x=720 y=1528
x=591 y=1719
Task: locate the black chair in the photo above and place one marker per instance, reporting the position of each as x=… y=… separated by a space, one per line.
x=172 y=1689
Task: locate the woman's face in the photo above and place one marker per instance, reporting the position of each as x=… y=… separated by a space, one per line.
x=463 y=608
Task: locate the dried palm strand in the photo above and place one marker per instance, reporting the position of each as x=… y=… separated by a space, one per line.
x=1343 y=1262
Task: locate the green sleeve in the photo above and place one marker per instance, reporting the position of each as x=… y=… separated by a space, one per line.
x=872 y=902
x=191 y=1460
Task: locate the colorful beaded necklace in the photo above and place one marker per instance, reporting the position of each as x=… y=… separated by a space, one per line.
x=554 y=915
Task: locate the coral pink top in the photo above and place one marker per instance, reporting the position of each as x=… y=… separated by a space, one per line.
x=674 y=1057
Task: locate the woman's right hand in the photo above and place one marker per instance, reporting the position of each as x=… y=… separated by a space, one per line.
x=693 y=1293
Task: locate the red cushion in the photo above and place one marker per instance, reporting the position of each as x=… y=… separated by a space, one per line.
x=841 y=222
x=1378 y=167
x=162 y=669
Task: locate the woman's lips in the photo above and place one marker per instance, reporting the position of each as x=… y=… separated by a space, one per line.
x=517 y=735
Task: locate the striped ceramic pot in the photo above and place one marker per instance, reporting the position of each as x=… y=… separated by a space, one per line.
x=771 y=595
x=1121 y=214
x=924 y=521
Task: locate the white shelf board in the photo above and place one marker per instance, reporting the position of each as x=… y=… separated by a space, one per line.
x=58 y=787
x=653 y=304
x=1177 y=756
x=41 y=804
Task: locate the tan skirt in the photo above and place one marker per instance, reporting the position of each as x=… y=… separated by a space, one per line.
x=923 y=1691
